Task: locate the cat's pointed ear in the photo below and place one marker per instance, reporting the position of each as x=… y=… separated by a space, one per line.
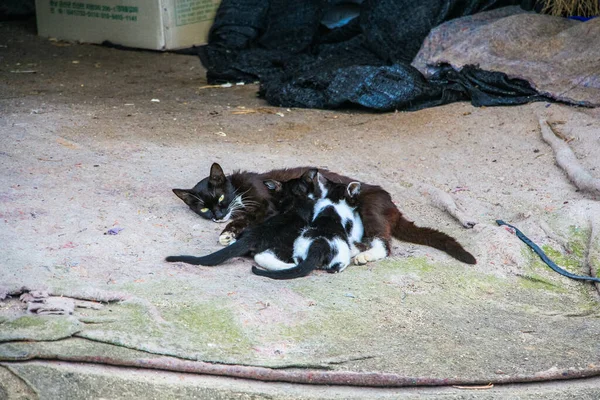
x=309 y=175
x=273 y=185
x=187 y=197
x=353 y=189
x=321 y=178
x=217 y=176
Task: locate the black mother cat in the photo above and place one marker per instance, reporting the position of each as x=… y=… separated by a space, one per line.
x=274 y=237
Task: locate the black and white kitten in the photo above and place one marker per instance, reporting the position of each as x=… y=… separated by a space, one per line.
x=273 y=239
x=329 y=241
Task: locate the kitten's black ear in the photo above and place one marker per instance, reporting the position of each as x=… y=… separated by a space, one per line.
x=186 y=196
x=217 y=176
x=321 y=178
x=273 y=185
x=353 y=189
x=309 y=175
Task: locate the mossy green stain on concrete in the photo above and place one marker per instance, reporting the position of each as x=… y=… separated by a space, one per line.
x=169 y=314
x=331 y=329
x=132 y=316
x=209 y=322
x=202 y=321
x=413 y=264
x=206 y=331
x=161 y=288
x=536 y=274
x=537 y=282
x=132 y=326
x=357 y=305
x=39 y=327
x=571 y=262
x=578 y=240
x=376 y=300
x=539 y=277
x=455 y=277
x=441 y=283
x=30 y=321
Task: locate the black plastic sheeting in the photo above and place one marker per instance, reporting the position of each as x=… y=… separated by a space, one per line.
x=366 y=62
x=16 y=9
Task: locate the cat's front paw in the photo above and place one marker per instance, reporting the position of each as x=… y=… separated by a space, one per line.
x=227 y=238
x=368 y=256
x=376 y=251
x=363 y=258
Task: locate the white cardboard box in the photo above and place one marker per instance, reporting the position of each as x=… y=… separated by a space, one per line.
x=147 y=24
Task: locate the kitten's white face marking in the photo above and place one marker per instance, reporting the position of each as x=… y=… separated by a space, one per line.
x=321 y=179
x=377 y=251
x=269 y=261
x=323 y=201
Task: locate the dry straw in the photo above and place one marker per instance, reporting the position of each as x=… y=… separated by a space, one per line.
x=567 y=8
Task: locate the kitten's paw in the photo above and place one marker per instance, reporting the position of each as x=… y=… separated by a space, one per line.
x=335 y=268
x=227 y=238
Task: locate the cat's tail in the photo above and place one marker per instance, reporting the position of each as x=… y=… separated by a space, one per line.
x=238 y=248
x=407 y=231
x=317 y=253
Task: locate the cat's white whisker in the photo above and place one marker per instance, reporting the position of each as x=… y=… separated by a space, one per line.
x=238 y=203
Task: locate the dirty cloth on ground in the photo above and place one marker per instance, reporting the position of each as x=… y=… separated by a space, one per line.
x=559 y=57
x=366 y=62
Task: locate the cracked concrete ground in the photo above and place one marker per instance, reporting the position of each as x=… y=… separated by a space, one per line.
x=84 y=148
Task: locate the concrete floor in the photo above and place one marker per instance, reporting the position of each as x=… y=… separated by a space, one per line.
x=85 y=147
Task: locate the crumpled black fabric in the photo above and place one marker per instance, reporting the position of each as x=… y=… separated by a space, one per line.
x=366 y=63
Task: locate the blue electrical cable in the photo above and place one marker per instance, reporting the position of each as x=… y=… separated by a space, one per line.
x=545 y=258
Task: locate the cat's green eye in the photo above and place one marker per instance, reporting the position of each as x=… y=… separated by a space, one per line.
x=221 y=198
x=204 y=210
